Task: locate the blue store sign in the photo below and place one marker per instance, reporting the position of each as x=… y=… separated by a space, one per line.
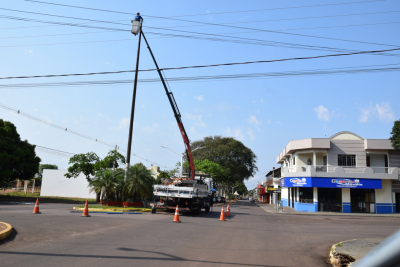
x=331 y=182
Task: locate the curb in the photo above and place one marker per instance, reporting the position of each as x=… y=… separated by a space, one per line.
x=5 y=233
x=337 y=259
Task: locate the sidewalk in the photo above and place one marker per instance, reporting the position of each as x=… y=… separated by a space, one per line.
x=5 y=230
x=288 y=210
x=346 y=252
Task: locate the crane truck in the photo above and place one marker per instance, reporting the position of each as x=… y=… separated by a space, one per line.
x=190 y=194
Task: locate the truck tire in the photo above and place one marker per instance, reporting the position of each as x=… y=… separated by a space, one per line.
x=207 y=208
x=153 y=210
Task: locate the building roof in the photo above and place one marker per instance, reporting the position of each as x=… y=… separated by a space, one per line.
x=346 y=135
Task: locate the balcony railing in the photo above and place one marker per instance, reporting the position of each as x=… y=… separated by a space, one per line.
x=341 y=169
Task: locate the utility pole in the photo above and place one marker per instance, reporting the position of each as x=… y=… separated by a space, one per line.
x=116 y=147
x=128 y=156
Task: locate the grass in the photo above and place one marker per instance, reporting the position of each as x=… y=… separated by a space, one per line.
x=46 y=199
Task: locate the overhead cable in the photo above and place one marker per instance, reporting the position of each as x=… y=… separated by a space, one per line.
x=246 y=76
x=207 y=14
x=222 y=25
x=65 y=129
x=207 y=66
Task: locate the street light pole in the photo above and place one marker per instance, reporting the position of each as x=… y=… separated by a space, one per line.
x=128 y=156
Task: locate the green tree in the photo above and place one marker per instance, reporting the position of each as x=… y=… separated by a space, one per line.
x=235 y=158
x=40 y=172
x=162 y=175
x=82 y=163
x=106 y=182
x=175 y=172
x=241 y=188
x=46 y=166
x=139 y=183
x=18 y=159
x=395 y=138
x=112 y=160
x=216 y=171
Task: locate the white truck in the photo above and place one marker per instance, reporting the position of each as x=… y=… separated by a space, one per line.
x=189 y=195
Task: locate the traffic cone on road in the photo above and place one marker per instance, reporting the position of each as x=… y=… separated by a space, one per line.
x=222 y=217
x=36 y=208
x=86 y=210
x=176 y=217
x=228 y=211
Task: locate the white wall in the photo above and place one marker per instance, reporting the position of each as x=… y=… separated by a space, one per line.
x=55 y=184
x=384 y=195
x=346 y=195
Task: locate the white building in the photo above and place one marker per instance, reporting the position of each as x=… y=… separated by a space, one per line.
x=343 y=173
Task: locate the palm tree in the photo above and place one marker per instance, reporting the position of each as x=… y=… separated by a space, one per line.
x=106 y=182
x=139 y=182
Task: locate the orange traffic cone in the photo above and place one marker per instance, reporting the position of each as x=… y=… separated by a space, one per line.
x=222 y=217
x=176 y=217
x=36 y=208
x=228 y=212
x=86 y=210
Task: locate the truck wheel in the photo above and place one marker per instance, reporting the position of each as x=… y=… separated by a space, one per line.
x=153 y=210
x=207 y=208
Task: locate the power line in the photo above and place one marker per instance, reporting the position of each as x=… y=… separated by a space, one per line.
x=222 y=25
x=78 y=25
x=226 y=12
x=67 y=130
x=234 y=37
x=211 y=65
x=300 y=18
x=317 y=72
x=54 y=125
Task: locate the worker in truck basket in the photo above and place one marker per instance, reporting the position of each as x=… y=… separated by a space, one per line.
x=138 y=17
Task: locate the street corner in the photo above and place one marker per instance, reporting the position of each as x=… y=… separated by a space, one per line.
x=5 y=230
x=346 y=252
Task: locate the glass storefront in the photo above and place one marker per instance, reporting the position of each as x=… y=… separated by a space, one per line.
x=362 y=200
x=330 y=199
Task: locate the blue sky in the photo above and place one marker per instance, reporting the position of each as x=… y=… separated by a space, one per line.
x=264 y=113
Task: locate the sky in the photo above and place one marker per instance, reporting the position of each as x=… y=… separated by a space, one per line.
x=274 y=103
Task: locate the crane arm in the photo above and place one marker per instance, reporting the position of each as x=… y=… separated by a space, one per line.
x=177 y=114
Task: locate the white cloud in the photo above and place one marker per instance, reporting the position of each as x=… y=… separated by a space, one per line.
x=251 y=134
x=383 y=111
x=253 y=120
x=150 y=128
x=30 y=51
x=366 y=113
x=122 y=123
x=237 y=133
x=322 y=112
x=199 y=97
x=192 y=117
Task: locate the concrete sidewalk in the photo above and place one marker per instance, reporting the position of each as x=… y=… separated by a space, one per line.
x=347 y=252
x=288 y=210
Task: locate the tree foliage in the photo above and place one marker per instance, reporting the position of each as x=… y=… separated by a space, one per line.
x=139 y=183
x=106 y=182
x=82 y=163
x=216 y=171
x=18 y=159
x=112 y=160
x=241 y=188
x=46 y=166
x=162 y=175
x=233 y=156
x=395 y=138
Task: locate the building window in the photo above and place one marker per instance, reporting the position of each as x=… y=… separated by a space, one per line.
x=306 y=195
x=347 y=160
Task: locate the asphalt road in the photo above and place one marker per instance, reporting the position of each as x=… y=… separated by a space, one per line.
x=251 y=237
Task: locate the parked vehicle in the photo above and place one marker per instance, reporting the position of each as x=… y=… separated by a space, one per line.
x=223 y=200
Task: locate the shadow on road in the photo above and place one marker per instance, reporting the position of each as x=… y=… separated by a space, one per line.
x=10 y=238
x=166 y=257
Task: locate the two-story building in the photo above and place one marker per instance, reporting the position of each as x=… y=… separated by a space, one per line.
x=342 y=173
